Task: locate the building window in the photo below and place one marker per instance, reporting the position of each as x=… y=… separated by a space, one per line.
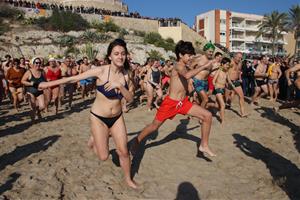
x=222 y=21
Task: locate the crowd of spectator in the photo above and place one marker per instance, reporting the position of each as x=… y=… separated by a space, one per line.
x=86 y=10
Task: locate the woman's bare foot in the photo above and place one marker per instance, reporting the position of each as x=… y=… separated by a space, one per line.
x=131 y=183
x=245 y=115
x=206 y=150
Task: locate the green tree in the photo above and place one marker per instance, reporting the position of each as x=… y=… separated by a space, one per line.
x=63 y=21
x=294 y=23
x=90 y=51
x=273 y=24
x=155 y=55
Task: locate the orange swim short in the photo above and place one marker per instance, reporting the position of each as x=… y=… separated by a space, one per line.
x=170 y=108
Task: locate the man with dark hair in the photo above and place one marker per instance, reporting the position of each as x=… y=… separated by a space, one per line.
x=177 y=102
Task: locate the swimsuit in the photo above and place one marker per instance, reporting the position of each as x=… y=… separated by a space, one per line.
x=272 y=81
x=86 y=81
x=235 y=84
x=111 y=94
x=170 y=108
x=219 y=91
x=200 y=85
x=108 y=121
x=36 y=81
x=210 y=83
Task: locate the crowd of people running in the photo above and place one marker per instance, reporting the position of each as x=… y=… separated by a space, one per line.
x=191 y=84
x=264 y=76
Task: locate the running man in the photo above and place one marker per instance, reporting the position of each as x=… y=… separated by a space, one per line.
x=177 y=102
x=200 y=81
x=235 y=77
x=260 y=80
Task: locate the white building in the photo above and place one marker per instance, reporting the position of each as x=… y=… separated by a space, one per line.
x=236 y=31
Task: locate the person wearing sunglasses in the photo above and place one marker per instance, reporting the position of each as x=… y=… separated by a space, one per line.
x=31 y=79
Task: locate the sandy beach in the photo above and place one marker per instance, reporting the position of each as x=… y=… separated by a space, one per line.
x=257 y=157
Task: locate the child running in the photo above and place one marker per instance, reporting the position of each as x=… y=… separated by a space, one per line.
x=220 y=79
x=177 y=102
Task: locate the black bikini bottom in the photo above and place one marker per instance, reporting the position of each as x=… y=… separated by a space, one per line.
x=108 y=121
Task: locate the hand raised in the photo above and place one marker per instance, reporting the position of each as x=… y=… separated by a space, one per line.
x=112 y=85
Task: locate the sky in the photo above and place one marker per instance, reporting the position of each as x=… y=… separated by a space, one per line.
x=188 y=9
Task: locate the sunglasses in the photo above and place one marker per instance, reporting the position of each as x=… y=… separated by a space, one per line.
x=37 y=63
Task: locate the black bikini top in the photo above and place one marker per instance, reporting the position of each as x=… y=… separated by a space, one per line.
x=111 y=94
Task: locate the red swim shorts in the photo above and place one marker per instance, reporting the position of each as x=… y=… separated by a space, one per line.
x=211 y=86
x=170 y=108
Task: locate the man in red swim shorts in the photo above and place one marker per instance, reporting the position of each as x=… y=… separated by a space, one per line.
x=177 y=102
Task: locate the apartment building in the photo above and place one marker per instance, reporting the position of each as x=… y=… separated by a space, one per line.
x=237 y=32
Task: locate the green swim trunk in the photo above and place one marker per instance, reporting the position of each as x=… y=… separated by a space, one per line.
x=219 y=91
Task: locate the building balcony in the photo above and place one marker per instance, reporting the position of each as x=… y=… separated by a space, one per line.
x=237 y=48
x=237 y=38
x=251 y=28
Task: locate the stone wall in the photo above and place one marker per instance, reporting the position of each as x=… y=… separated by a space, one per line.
x=146 y=25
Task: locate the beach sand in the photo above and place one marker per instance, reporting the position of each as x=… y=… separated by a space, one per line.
x=257 y=157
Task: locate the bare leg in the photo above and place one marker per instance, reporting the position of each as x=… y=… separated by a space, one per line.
x=221 y=103
x=275 y=88
x=149 y=96
x=99 y=138
x=32 y=102
x=13 y=92
x=55 y=93
x=206 y=117
x=240 y=93
x=256 y=93
x=270 y=86
x=149 y=129
x=204 y=98
x=83 y=91
x=119 y=135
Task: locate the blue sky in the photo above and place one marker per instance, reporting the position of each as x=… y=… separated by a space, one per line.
x=188 y=9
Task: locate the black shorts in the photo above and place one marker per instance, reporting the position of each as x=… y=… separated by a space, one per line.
x=259 y=83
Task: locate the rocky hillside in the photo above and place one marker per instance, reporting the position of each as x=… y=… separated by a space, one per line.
x=30 y=41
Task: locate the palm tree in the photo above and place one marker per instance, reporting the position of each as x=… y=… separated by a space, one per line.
x=294 y=23
x=273 y=24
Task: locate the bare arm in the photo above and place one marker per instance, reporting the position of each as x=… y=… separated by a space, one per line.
x=189 y=74
x=216 y=77
x=289 y=71
x=73 y=79
x=279 y=72
x=127 y=94
x=25 y=78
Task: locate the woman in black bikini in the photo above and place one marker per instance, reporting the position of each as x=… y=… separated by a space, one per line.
x=106 y=112
x=31 y=80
